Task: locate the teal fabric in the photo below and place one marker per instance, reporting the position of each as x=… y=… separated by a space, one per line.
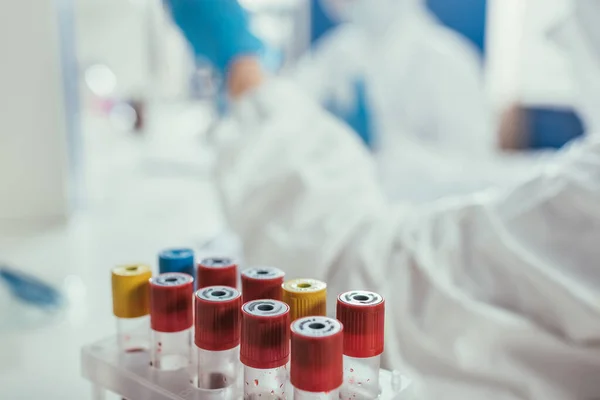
x=218 y=31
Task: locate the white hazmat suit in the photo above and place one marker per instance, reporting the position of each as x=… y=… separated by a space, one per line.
x=493 y=296
x=424 y=91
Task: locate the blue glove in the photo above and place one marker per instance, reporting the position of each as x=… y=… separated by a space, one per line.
x=216 y=29
x=30 y=289
x=359 y=117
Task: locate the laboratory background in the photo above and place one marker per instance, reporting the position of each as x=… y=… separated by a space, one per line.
x=107 y=123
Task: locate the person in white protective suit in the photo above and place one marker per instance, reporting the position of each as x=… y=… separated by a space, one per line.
x=491 y=296
x=423 y=85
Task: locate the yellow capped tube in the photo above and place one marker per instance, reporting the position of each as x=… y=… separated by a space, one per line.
x=306 y=298
x=131 y=291
x=131 y=306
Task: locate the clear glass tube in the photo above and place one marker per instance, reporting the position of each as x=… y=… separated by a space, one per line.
x=361 y=378
x=218 y=369
x=265 y=384
x=171 y=351
x=133 y=334
x=302 y=395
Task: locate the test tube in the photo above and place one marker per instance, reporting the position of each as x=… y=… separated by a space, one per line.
x=217 y=336
x=177 y=260
x=363 y=315
x=171 y=320
x=265 y=349
x=217 y=272
x=306 y=297
x=317 y=358
x=131 y=305
x=262 y=283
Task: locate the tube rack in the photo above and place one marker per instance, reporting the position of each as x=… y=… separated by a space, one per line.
x=130 y=376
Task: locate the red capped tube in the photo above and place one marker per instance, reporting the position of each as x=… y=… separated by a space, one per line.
x=265 y=348
x=171 y=320
x=217 y=318
x=363 y=315
x=217 y=336
x=265 y=334
x=317 y=354
x=262 y=283
x=171 y=302
x=217 y=271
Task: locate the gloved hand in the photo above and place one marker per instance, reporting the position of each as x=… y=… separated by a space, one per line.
x=216 y=29
x=357 y=116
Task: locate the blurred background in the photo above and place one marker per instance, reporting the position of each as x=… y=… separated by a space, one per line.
x=106 y=120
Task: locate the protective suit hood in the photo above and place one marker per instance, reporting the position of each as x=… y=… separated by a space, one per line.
x=373 y=15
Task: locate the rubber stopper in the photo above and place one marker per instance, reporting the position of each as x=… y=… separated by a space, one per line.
x=217 y=318
x=363 y=315
x=131 y=290
x=306 y=297
x=265 y=340
x=262 y=283
x=317 y=354
x=217 y=272
x=171 y=308
x=177 y=260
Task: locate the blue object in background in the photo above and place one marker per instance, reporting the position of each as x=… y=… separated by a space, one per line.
x=320 y=22
x=467 y=17
x=177 y=260
x=30 y=289
x=552 y=128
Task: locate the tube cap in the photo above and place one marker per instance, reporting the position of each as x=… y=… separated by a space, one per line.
x=171 y=302
x=363 y=316
x=306 y=297
x=265 y=334
x=262 y=283
x=131 y=290
x=177 y=260
x=317 y=354
x=217 y=272
x=217 y=318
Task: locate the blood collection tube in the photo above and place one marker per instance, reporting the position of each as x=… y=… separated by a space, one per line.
x=265 y=349
x=363 y=315
x=171 y=320
x=317 y=360
x=131 y=305
x=177 y=260
x=262 y=283
x=217 y=336
x=217 y=272
x=306 y=297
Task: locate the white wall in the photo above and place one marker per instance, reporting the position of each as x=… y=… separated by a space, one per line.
x=33 y=131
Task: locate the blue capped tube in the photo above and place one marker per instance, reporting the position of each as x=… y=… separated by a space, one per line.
x=177 y=260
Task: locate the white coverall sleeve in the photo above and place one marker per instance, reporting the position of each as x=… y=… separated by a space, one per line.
x=495 y=296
